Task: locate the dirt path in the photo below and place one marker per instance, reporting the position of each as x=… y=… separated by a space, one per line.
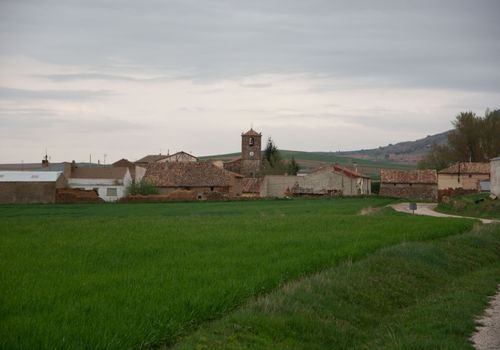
x=487 y=336
x=428 y=209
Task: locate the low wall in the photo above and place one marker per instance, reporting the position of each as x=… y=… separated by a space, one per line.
x=412 y=191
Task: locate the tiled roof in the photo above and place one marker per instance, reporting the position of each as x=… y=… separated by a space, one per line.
x=348 y=172
x=251 y=184
x=251 y=132
x=123 y=163
x=427 y=176
x=101 y=172
x=340 y=169
x=189 y=174
x=152 y=158
x=467 y=168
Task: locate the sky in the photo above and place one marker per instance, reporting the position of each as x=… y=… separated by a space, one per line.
x=122 y=79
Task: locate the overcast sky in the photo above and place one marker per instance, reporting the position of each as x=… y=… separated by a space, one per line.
x=130 y=78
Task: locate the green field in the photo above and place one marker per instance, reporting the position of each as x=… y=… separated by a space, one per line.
x=148 y=275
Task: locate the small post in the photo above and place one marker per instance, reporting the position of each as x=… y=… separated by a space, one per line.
x=413 y=207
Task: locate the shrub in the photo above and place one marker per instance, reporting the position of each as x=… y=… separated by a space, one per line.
x=143 y=188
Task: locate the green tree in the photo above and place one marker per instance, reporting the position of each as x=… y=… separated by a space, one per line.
x=293 y=167
x=474 y=138
x=273 y=163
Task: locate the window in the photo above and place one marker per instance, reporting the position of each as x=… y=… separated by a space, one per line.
x=251 y=141
x=111 y=192
x=211 y=188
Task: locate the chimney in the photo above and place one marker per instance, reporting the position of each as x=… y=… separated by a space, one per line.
x=45 y=162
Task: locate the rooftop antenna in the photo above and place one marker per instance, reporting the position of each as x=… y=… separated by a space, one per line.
x=160 y=151
x=105 y=155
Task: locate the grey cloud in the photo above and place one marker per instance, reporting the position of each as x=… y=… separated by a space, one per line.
x=7 y=93
x=449 y=43
x=38 y=120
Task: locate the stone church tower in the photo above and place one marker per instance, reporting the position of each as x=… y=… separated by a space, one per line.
x=251 y=155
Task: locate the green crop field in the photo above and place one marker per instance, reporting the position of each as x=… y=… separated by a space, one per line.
x=147 y=275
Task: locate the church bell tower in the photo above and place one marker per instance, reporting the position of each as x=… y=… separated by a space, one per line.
x=251 y=155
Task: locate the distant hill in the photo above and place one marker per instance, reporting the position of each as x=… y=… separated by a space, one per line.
x=403 y=152
x=403 y=155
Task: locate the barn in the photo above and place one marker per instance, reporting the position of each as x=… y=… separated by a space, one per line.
x=414 y=184
x=30 y=186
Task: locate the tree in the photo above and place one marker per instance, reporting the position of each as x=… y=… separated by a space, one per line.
x=273 y=163
x=293 y=167
x=474 y=138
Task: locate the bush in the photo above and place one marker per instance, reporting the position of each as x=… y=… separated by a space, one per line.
x=143 y=188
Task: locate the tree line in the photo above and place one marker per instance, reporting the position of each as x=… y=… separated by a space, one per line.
x=474 y=139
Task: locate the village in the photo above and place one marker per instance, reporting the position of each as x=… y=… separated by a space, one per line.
x=183 y=176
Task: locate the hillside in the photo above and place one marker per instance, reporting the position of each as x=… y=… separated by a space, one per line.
x=407 y=151
x=403 y=155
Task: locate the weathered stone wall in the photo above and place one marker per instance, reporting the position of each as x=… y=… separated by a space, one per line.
x=411 y=191
x=279 y=185
x=28 y=192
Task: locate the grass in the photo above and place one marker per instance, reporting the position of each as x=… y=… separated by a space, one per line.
x=411 y=296
x=141 y=275
x=473 y=205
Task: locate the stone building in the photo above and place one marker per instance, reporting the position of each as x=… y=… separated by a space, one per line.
x=164 y=158
x=201 y=177
x=465 y=176
x=30 y=186
x=495 y=176
x=136 y=172
x=412 y=184
x=250 y=162
x=329 y=180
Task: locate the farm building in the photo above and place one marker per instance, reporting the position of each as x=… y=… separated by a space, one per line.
x=495 y=176
x=136 y=172
x=466 y=176
x=164 y=158
x=417 y=184
x=110 y=183
x=201 y=177
x=328 y=180
x=30 y=186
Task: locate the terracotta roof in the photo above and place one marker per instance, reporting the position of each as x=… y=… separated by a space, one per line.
x=345 y=171
x=348 y=172
x=467 y=168
x=427 y=176
x=251 y=184
x=152 y=158
x=190 y=174
x=102 y=172
x=252 y=132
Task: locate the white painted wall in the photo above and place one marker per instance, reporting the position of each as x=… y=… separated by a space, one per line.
x=102 y=186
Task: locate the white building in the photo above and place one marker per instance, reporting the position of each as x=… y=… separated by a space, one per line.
x=495 y=176
x=110 y=183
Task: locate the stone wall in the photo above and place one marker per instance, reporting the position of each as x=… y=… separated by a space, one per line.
x=495 y=176
x=27 y=192
x=411 y=191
